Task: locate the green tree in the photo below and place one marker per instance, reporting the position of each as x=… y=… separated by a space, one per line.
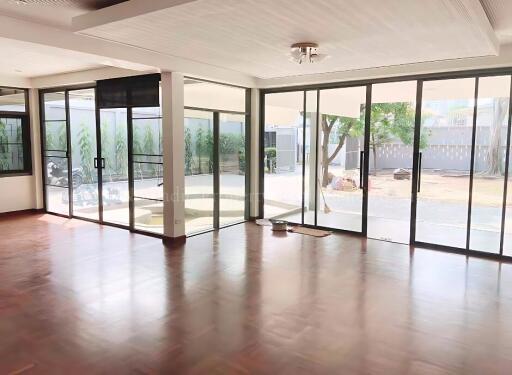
x=388 y=121
x=50 y=141
x=137 y=140
x=149 y=147
x=345 y=127
x=4 y=147
x=209 y=149
x=121 y=151
x=200 y=145
x=86 y=153
x=392 y=121
x=107 y=150
x=62 y=137
x=188 y=152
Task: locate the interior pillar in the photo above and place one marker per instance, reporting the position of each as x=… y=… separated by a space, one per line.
x=35 y=144
x=173 y=155
x=255 y=153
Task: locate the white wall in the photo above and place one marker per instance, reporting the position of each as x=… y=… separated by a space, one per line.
x=16 y=193
x=25 y=192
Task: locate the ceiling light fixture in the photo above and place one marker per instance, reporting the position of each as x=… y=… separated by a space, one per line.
x=306 y=52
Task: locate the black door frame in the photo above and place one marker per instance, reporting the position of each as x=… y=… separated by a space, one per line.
x=216 y=163
x=420 y=79
x=417 y=172
x=363 y=166
x=99 y=158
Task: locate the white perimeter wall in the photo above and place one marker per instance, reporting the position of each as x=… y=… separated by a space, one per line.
x=17 y=193
x=25 y=192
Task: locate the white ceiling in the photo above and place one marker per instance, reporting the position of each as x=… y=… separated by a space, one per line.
x=31 y=60
x=499 y=13
x=52 y=12
x=253 y=36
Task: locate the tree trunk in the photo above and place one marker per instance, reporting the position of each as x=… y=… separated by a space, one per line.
x=374 y=150
x=325 y=158
x=494 y=167
x=374 y=147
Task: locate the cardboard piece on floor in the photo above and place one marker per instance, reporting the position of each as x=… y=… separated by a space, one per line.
x=264 y=222
x=310 y=231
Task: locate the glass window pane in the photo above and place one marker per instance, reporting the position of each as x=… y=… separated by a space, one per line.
x=57 y=195
x=308 y=136
x=283 y=154
x=341 y=133
x=490 y=147
x=198 y=171
x=114 y=151
x=12 y=100
x=82 y=118
x=55 y=152
x=55 y=106
x=207 y=95
x=55 y=121
x=390 y=160
x=445 y=147
x=231 y=169
x=148 y=169
x=11 y=144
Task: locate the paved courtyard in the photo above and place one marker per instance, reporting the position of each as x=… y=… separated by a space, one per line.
x=442 y=207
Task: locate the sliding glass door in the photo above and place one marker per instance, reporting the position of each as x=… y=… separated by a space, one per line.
x=232 y=168
x=390 y=160
x=488 y=186
x=147 y=164
x=91 y=148
x=216 y=155
x=215 y=166
x=373 y=160
x=56 y=161
x=444 y=163
x=339 y=181
x=83 y=136
x=199 y=197
x=114 y=162
x=285 y=155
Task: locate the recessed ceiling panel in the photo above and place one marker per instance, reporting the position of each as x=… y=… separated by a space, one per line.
x=254 y=36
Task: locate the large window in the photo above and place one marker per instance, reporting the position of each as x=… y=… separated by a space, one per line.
x=15 y=157
x=283 y=155
x=215 y=155
x=148 y=191
x=419 y=161
x=103 y=164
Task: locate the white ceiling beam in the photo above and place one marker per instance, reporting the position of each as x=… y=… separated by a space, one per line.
x=46 y=35
x=81 y=77
x=14 y=81
x=122 y=11
x=476 y=13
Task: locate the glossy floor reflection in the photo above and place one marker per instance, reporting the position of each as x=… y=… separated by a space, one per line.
x=78 y=297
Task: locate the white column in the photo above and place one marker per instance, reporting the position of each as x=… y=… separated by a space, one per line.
x=255 y=151
x=173 y=154
x=35 y=139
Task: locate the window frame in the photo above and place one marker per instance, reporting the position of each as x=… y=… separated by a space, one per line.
x=25 y=137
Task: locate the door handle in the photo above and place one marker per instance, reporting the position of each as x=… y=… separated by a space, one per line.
x=361 y=158
x=419 y=171
x=96 y=163
x=102 y=163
